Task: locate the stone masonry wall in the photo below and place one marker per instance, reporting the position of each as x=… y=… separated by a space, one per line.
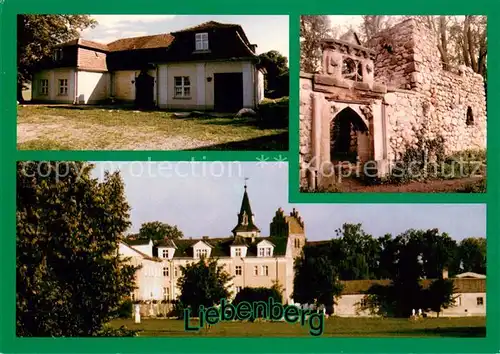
x=305 y=124
x=408 y=58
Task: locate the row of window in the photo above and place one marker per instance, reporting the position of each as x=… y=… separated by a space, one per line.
x=238 y=270
x=63 y=87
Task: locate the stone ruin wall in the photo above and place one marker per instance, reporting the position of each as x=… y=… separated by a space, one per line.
x=305 y=123
x=437 y=100
x=421 y=95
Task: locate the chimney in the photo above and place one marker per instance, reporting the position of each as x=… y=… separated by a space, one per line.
x=205 y=237
x=445 y=273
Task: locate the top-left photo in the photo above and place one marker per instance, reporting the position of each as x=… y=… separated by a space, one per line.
x=152 y=82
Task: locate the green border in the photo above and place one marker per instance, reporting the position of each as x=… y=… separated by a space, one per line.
x=9 y=154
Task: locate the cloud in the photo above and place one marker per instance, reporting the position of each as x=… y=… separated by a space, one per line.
x=113 y=21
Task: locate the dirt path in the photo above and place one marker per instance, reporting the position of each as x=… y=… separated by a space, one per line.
x=352 y=185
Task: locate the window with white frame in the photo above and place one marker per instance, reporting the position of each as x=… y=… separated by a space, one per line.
x=164 y=253
x=255 y=270
x=264 y=270
x=44 y=87
x=176 y=272
x=480 y=301
x=201 y=41
x=237 y=252
x=165 y=271
x=265 y=252
x=182 y=86
x=201 y=253
x=63 y=87
x=58 y=54
x=458 y=301
x=166 y=293
x=237 y=270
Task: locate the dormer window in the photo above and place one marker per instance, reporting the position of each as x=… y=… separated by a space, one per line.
x=201 y=253
x=237 y=252
x=58 y=54
x=201 y=41
x=164 y=253
x=265 y=251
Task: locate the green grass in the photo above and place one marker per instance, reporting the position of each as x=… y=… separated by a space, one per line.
x=103 y=128
x=334 y=327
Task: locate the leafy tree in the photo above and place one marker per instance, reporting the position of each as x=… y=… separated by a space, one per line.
x=277 y=74
x=203 y=283
x=438 y=252
x=439 y=295
x=37 y=35
x=356 y=253
x=313 y=29
x=472 y=255
x=70 y=280
x=315 y=280
x=156 y=230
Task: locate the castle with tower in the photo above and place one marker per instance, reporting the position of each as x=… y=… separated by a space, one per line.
x=252 y=259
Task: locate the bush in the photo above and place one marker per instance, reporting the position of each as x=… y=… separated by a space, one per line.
x=274 y=113
x=252 y=295
x=125 y=309
x=477 y=187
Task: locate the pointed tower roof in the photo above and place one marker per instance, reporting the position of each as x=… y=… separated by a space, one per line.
x=245 y=217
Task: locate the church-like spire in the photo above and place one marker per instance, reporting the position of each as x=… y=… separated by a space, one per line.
x=246 y=225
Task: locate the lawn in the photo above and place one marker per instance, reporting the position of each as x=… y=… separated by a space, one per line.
x=41 y=127
x=334 y=327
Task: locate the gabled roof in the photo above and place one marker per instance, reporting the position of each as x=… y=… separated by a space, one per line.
x=85 y=43
x=142 y=254
x=162 y=40
x=265 y=242
x=221 y=246
x=207 y=26
x=166 y=242
x=353 y=287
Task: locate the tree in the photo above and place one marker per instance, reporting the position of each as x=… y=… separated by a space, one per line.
x=438 y=252
x=356 y=253
x=373 y=24
x=203 y=283
x=70 y=279
x=472 y=255
x=252 y=295
x=37 y=35
x=315 y=280
x=157 y=230
x=313 y=29
x=439 y=295
x=277 y=74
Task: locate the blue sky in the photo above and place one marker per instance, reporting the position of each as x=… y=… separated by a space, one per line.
x=203 y=199
x=268 y=32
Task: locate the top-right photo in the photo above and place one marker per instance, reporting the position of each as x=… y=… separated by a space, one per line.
x=393 y=104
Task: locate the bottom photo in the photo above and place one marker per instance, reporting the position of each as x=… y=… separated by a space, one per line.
x=178 y=248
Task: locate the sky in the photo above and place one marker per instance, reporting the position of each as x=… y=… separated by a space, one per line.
x=268 y=32
x=204 y=198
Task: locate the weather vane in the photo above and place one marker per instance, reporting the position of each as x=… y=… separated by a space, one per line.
x=246 y=179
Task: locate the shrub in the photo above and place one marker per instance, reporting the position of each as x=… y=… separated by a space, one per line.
x=274 y=113
x=125 y=309
x=252 y=295
x=477 y=187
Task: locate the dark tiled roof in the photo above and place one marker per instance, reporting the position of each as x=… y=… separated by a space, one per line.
x=245 y=210
x=85 y=43
x=165 y=243
x=145 y=42
x=352 y=287
x=207 y=26
x=239 y=241
x=136 y=242
x=221 y=246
